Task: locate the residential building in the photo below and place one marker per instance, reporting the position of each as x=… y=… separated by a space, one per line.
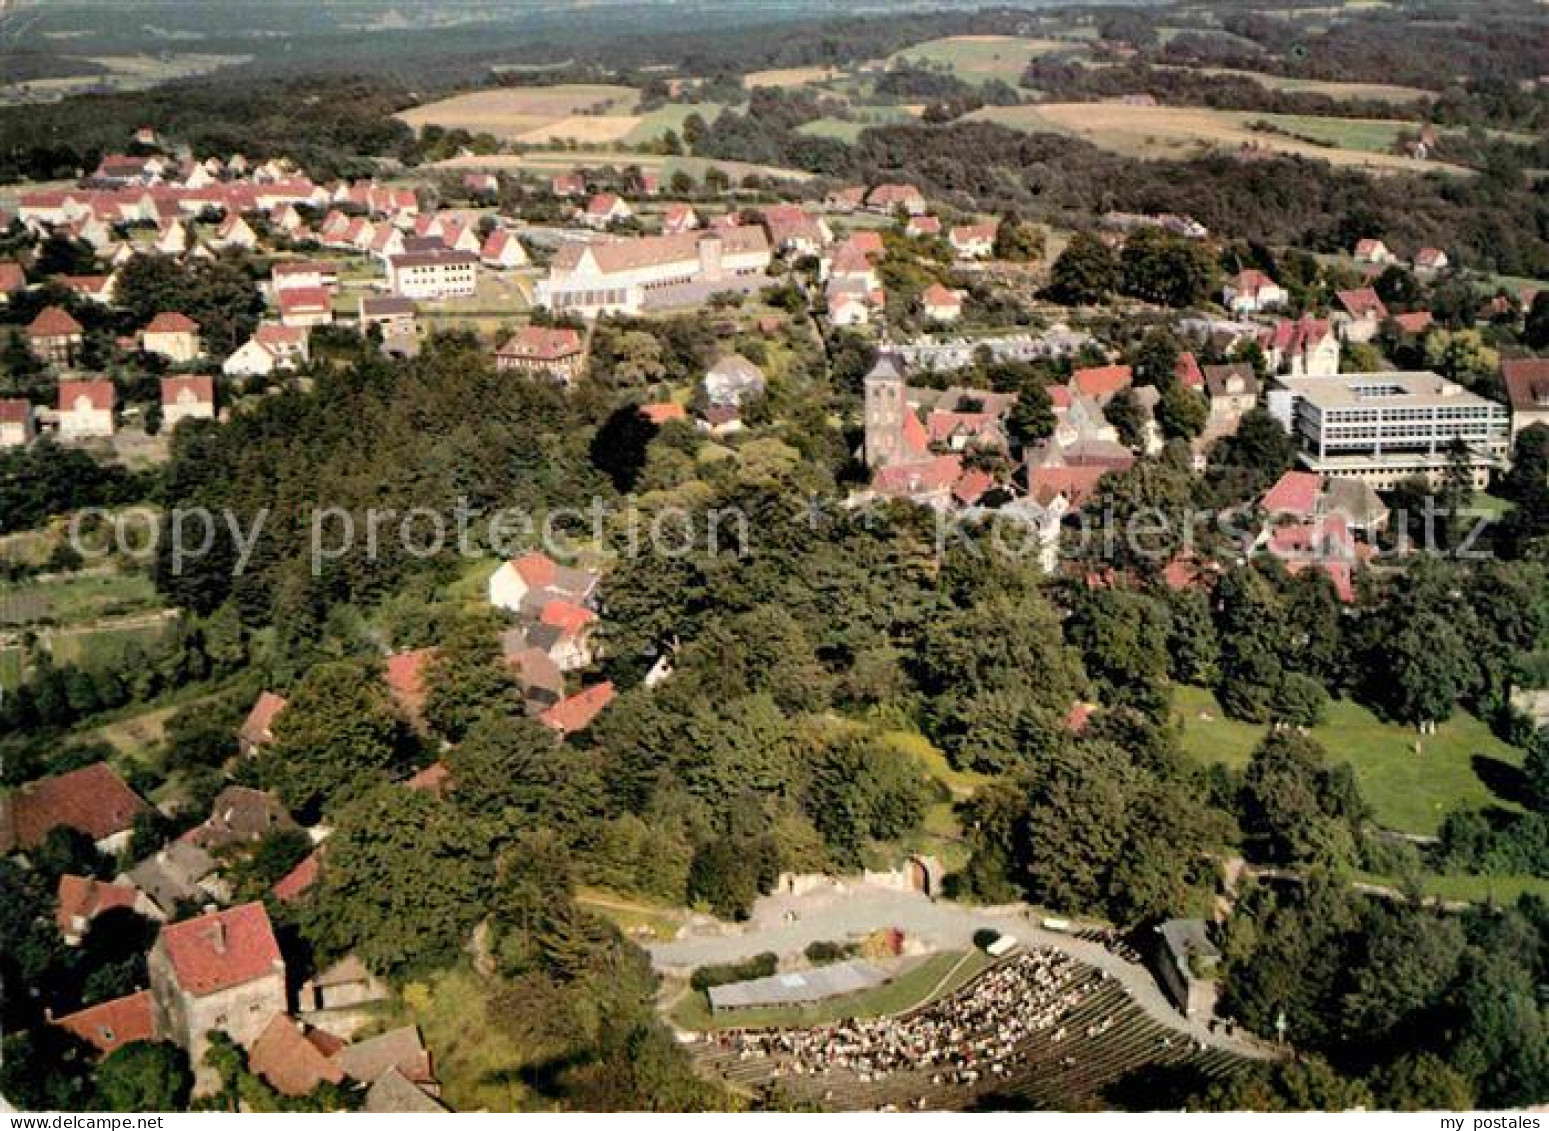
x=433 y=274
x=941 y=304
x=272 y=348
x=604 y=209
x=1252 y=291
x=1431 y=261
x=305 y=306
x=17 y=423
x=186 y=398
x=80 y=899
x=973 y=241
x=632 y=275
x=395 y=315
x=1527 y=387
x=86 y=409
x=1232 y=391
x=526 y=583
x=173 y=336
x=553 y=351
x=503 y=251
x=110 y=1025
x=1375 y=252
x=1362 y=314
x=1384 y=428
x=13 y=279
x=303 y=273
x=1307 y=347
x=55 y=337
x=732 y=381
x=93 y=800
x=885 y=200
x=257 y=729
x=679 y=218
x=221 y=972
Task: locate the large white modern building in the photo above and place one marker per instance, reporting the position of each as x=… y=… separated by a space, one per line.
x=1383 y=428
x=433 y=274
x=631 y=275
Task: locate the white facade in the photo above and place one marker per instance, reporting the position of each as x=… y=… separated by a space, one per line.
x=433 y=275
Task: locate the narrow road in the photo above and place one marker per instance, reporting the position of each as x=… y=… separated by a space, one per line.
x=785 y=924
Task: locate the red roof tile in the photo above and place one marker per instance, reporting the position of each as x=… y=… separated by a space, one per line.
x=14 y=410
x=298 y=881
x=110 y=1025
x=570 y=618
x=222 y=949
x=294 y=299
x=542 y=343
x=1296 y=494
x=93 y=799
x=171 y=322
x=577 y=712
x=259 y=725
x=1103 y=381
x=292 y=1065
x=1076 y=484
x=1527 y=383
x=659 y=414
x=52 y=322
x=1188 y=372
x=11 y=277
x=81 y=897
x=406 y=679
x=100 y=394
x=202 y=386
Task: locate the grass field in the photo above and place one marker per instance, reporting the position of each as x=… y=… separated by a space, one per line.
x=1407 y=791
x=1182 y=132
x=564 y=160
x=480 y=1067
x=980 y=58
x=640 y=920
x=1503 y=890
x=1377 y=92
x=76 y=598
x=650 y=127
x=588 y=113
x=912 y=988
x=106 y=642
x=12 y=667
x=124 y=73
x=789 y=77
x=865 y=118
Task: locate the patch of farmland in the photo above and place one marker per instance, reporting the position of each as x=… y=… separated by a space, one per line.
x=511 y=113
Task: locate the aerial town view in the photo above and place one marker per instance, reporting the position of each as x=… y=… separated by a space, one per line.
x=750 y=556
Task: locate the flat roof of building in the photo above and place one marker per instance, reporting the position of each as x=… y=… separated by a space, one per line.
x=799 y=986
x=1382 y=390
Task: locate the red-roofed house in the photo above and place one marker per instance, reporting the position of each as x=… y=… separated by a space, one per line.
x=1374 y=251
x=1364 y=313
x=1188 y=372
x=679 y=218
x=258 y=729
x=605 y=208
x=110 y=1025
x=1415 y=322
x=405 y=678
x=921 y=226
x=1103 y=383
x=1251 y=291
x=888 y=199
x=292 y=1064
x=537 y=573
x=17 y=424
x=86 y=409
x=1295 y=495
x=186 y=398
x=556 y=351
x=1431 y=260
x=1076 y=485
x=568 y=184
x=299 y=880
x=576 y=713
x=305 y=306
x=12 y=279
x=1527 y=387
x=941 y=304
x=503 y=251
x=174 y=336
x=54 y=337
x=221 y=972
x=973 y=241
x=93 y=800
x=82 y=899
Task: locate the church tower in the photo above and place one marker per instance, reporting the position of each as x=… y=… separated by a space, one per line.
x=886 y=403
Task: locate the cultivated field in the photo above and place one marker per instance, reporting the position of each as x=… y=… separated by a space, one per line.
x=1381 y=92
x=564 y=160
x=979 y=58
x=789 y=76
x=125 y=73
x=595 y=114
x=1182 y=132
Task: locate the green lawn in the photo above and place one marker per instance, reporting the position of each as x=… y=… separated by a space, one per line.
x=479 y=1065
x=76 y=599
x=910 y=989
x=12 y=662
x=1407 y=791
x=1503 y=890
x=981 y=58
x=100 y=644
x=654 y=125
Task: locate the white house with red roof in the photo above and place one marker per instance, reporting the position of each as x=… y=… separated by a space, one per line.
x=271 y=349
x=973 y=241
x=173 y=336
x=567 y=184
x=55 y=337
x=234 y=231
x=605 y=208
x=941 y=304
x=1306 y=347
x=885 y=200
x=848 y=309
x=503 y=251
x=172 y=238
x=86 y=409
x=18 y=424
x=304 y=273
x=526 y=583
x=1375 y=252
x=80 y=899
x=554 y=351
x=1527 y=388
x=1362 y=313
x=1251 y=291
x=679 y=218
x=222 y=972
x=110 y=1025
x=921 y=226
x=305 y=307
x=186 y=398
x=1431 y=261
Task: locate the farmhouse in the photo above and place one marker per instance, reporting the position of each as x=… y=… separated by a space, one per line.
x=433 y=274
x=186 y=398
x=86 y=409
x=557 y=352
x=173 y=336
x=629 y=276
